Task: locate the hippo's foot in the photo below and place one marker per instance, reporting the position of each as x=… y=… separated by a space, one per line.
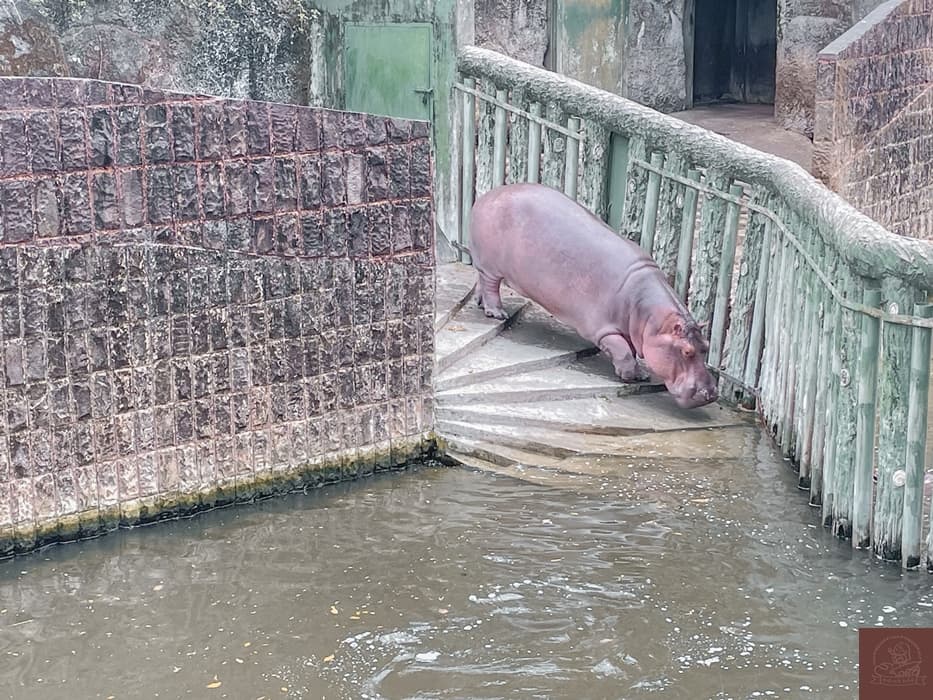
x=632 y=375
x=623 y=360
x=497 y=313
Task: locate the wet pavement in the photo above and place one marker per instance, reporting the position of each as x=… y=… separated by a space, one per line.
x=704 y=578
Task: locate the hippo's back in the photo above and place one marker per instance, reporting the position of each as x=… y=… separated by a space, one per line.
x=549 y=248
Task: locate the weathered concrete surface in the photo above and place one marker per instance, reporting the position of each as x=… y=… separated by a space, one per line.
x=202 y=301
x=873 y=143
x=532 y=392
x=755 y=126
x=804 y=29
x=286 y=51
x=517 y=28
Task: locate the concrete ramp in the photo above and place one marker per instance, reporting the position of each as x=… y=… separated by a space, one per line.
x=528 y=394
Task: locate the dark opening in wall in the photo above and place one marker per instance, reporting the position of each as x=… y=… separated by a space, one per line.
x=734 y=51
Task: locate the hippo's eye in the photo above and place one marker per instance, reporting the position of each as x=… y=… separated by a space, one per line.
x=688 y=352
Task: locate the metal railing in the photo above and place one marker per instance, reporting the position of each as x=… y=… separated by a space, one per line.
x=816 y=313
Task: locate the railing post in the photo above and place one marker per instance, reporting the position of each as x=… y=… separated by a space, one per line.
x=833 y=407
x=555 y=145
x=865 y=422
x=810 y=360
x=893 y=407
x=650 y=221
x=636 y=188
x=572 y=158
x=498 y=140
x=724 y=278
x=517 y=150
x=688 y=224
x=467 y=155
x=756 y=335
x=823 y=389
x=534 y=143
x=918 y=396
x=770 y=388
x=709 y=248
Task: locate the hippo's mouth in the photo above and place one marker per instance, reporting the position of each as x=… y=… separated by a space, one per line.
x=694 y=397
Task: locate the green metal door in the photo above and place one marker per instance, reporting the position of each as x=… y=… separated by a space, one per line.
x=388 y=69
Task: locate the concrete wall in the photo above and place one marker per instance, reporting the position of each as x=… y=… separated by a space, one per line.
x=202 y=300
x=804 y=29
x=873 y=141
x=517 y=28
x=281 y=50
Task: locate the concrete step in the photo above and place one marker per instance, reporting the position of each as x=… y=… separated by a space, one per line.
x=522 y=360
x=588 y=377
x=470 y=330
x=454 y=291
x=602 y=416
x=499 y=455
x=529 y=474
x=545 y=443
x=599 y=455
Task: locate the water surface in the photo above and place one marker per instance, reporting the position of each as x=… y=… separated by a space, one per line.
x=635 y=580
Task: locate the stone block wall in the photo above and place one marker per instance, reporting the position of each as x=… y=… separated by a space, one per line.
x=202 y=300
x=873 y=141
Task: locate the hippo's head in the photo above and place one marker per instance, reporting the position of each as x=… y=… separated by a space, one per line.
x=676 y=354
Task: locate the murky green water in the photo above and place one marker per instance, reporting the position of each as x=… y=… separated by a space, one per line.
x=686 y=581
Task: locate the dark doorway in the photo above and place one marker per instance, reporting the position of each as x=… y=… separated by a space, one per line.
x=734 y=51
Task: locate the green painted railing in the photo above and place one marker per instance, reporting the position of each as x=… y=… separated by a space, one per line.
x=817 y=315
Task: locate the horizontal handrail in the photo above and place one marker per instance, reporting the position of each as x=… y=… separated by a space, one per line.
x=870 y=250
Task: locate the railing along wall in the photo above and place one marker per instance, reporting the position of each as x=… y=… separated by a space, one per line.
x=817 y=315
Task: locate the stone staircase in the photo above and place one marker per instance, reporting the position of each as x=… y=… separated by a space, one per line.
x=527 y=395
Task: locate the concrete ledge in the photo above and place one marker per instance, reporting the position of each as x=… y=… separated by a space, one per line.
x=346 y=465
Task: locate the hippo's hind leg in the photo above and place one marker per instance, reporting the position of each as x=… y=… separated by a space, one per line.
x=487 y=296
x=623 y=361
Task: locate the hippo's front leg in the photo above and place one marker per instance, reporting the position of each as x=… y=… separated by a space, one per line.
x=623 y=361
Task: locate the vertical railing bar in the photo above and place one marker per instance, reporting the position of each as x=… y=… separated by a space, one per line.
x=649 y=223
x=771 y=362
x=865 y=422
x=785 y=323
x=823 y=381
x=846 y=407
x=468 y=155
x=688 y=224
x=724 y=279
x=892 y=408
x=830 y=463
x=534 y=143
x=918 y=396
x=811 y=357
x=756 y=336
x=498 y=140
x=572 y=158
x=789 y=411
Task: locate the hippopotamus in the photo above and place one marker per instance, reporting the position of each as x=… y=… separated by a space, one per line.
x=550 y=249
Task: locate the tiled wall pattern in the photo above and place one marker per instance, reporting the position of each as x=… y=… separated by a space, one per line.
x=201 y=300
x=873 y=141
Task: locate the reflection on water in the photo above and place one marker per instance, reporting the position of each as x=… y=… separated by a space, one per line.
x=449 y=583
